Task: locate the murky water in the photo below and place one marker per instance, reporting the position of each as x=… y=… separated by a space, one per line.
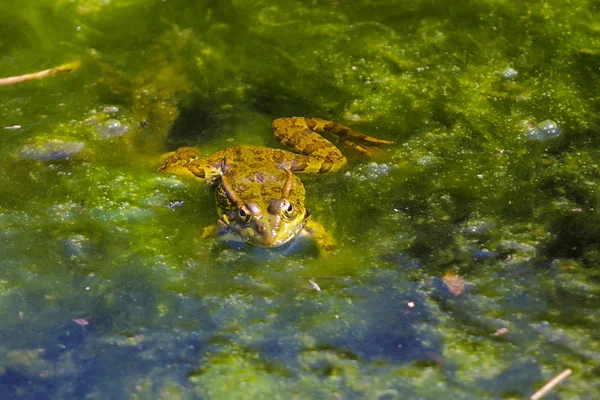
x=467 y=257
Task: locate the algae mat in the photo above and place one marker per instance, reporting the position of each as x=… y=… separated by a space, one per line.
x=467 y=264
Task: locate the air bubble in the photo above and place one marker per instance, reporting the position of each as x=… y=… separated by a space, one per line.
x=110 y=109
x=426 y=160
x=545 y=130
x=510 y=73
x=111 y=128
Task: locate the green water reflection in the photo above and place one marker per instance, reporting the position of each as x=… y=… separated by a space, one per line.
x=482 y=216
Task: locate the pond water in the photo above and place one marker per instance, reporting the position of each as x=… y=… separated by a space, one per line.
x=467 y=260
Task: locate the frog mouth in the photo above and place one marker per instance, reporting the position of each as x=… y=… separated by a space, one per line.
x=228 y=234
x=273 y=240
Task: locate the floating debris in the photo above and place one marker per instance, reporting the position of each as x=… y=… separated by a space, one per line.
x=551 y=384
x=501 y=331
x=41 y=74
x=314 y=285
x=81 y=321
x=51 y=149
x=454 y=283
x=12 y=127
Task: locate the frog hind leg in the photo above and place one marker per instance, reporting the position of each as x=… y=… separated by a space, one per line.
x=188 y=163
x=317 y=155
x=360 y=142
x=288 y=131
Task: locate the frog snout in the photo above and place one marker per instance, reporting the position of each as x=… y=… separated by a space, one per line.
x=267 y=234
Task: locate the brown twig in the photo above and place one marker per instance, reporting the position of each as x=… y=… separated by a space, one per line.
x=551 y=384
x=41 y=74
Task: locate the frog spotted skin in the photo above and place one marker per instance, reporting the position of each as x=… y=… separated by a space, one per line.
x=259 y=198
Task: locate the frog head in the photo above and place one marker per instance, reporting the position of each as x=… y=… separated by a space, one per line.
x=264 y=222
x=274 y=226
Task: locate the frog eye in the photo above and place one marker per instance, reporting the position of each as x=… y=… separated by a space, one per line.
x=288 y=211
x=243 y=216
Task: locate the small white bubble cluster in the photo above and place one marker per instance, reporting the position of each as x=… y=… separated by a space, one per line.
x=543 y=131
x=510 y=73
x=371 y=171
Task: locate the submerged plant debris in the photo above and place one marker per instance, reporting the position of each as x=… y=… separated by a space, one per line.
x=468 y=255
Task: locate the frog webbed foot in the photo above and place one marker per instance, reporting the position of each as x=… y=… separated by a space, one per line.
x=364 y=144
x=367 y=145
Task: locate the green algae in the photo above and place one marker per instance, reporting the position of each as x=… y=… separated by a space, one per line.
x=100 y=236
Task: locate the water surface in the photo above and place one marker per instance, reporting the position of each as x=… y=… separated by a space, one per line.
x=467 y=259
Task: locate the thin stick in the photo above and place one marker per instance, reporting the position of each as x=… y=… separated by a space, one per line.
x=314 y=285
x=550 y=385
x=41 y=74
x=330 y=277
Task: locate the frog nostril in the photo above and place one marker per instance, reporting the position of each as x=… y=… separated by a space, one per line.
x=261 y=228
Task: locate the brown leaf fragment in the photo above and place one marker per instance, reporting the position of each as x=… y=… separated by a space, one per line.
x=454 y=283
x=82 y=322
x=501 y=331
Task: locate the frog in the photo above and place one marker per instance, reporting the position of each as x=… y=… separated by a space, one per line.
x=259 y=196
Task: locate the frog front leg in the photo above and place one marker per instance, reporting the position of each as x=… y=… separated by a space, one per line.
x=210 y=231
x=218 y=229
x=324 y=240
x=187 y=162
